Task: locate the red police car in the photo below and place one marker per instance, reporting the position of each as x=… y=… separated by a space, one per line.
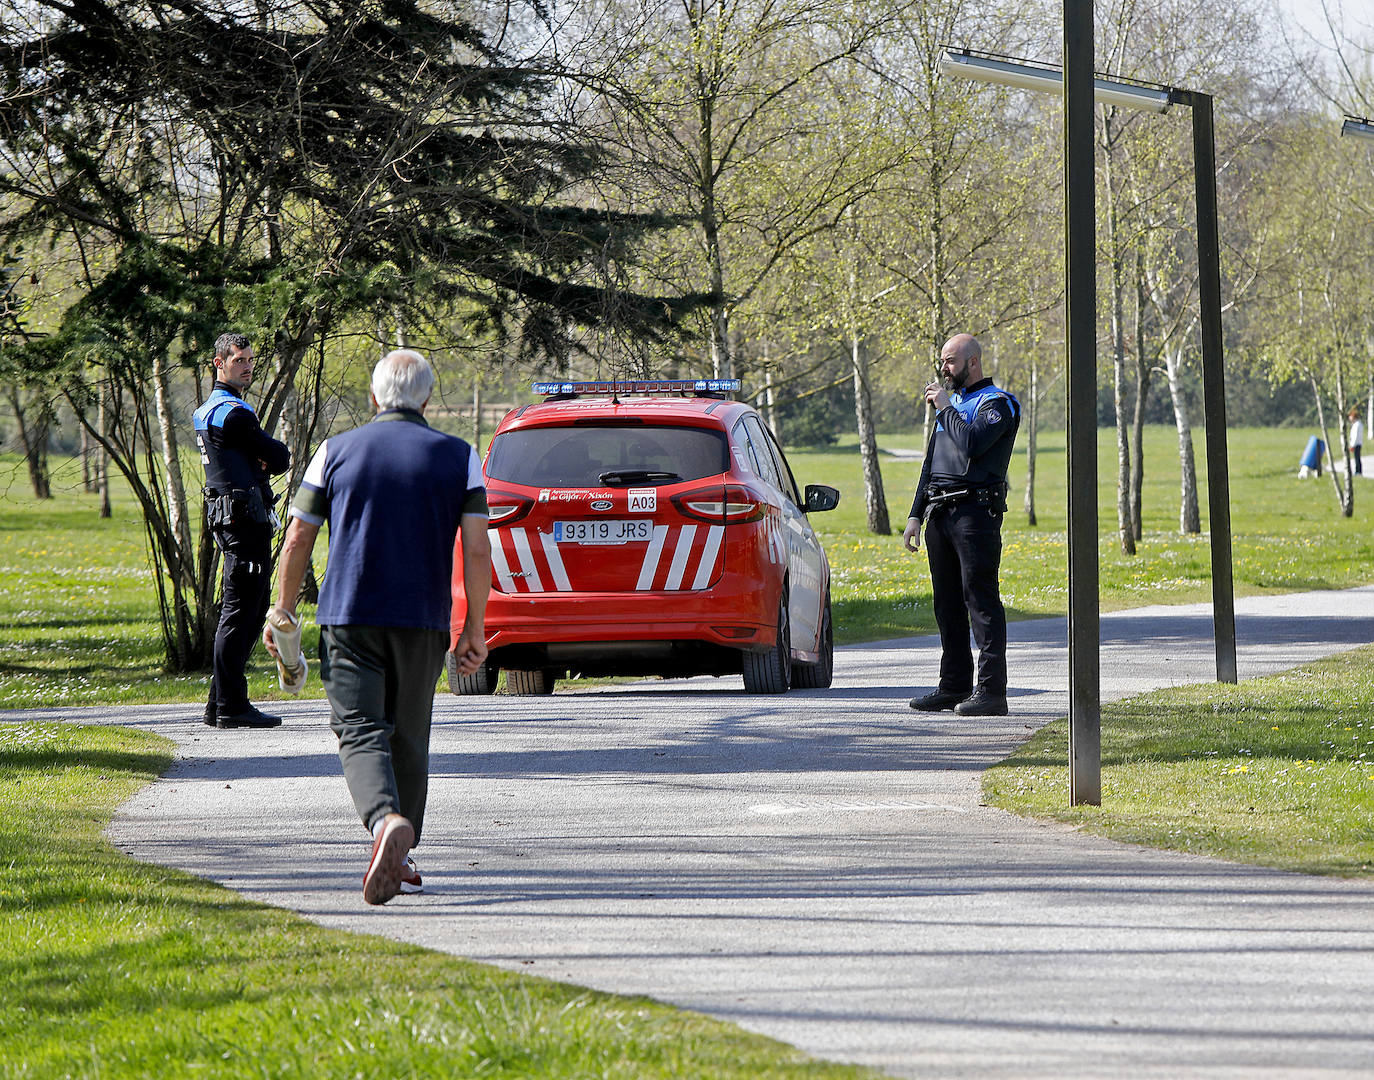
x=649 y=528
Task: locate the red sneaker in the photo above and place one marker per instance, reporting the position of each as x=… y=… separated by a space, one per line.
x=383 y=878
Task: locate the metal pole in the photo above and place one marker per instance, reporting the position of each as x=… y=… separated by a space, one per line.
x=1213 y=384
x=1085 y=720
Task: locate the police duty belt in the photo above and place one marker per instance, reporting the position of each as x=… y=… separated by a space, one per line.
x=980 y=496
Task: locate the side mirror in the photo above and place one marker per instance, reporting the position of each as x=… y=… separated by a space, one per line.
x=821 y=497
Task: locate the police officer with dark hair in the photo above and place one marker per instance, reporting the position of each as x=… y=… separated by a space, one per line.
x=960 y=498
x=238 y=458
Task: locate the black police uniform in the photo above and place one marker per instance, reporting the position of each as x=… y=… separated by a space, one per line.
x=238 y=457
x=962 y=496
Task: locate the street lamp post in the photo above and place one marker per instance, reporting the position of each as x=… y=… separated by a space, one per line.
x=1080 y=88
x=1213 y=379
x=1080 y=253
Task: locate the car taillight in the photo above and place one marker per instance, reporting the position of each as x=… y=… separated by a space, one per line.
x=730 y=504
x=503 y=507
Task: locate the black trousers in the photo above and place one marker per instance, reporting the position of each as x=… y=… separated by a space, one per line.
x=964 y=546
x=243 y=607
x=380 y=684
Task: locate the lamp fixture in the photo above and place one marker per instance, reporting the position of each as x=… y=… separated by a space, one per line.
x=1358 y=128
x=1027 y=76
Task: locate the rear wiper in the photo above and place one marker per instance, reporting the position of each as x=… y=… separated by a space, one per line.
x=635 y=476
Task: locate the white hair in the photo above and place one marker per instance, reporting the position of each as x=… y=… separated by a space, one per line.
x=402 y=379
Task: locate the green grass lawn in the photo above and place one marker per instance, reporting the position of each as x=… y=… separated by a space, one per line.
x=1288 y=534
x=118 y=969
x=78 y=612
x=1277 y=770
x=121 y=970
x=77 y=609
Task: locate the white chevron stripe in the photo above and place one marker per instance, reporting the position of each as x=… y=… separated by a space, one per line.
x=708 y=557
x=555 y=558
x=683 y=550
x=499 y=564
x=527 y=564
x=649 y=567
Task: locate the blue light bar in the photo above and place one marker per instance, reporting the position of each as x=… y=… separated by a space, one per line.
x=639 y=386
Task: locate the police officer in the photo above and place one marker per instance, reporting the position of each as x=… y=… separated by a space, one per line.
x=961 y=497
x=238 y=458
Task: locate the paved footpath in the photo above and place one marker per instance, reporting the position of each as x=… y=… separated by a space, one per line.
x=818 y=867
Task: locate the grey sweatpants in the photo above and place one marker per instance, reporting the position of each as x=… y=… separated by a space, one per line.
x=380 y=682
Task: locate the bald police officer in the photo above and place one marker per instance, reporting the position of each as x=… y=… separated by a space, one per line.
x=238 y=457
x=960 y=499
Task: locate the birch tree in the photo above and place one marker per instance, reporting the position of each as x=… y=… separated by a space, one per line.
x=1317 y=214
x=719 y=109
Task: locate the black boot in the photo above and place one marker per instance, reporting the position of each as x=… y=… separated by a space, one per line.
x=982 y=703
x=250 y=717
x=938 y=700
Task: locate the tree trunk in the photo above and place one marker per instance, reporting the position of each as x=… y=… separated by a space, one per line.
x=103 y=455
x=290 y=348
x=1343 y=479
x=1143 y=371
x=875 y=501
x=722 y=361
x=36 y=453
x=177 y=521
x=1189 y=519
x=477 y=413
x=1125 y=526
x=1031 y=409
x=937 y=292
x=33 y=434
x=87 y=472
x=207 y=574
x=770 y=397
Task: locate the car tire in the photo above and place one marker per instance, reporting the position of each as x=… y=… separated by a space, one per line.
x=481 y=681
x=770 y=672
x=819 y=675
x=531 y=683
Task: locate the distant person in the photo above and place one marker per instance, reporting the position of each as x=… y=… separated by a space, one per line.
x=396 y=495
x=960 y=500
x=1356 y=440
x=1311 y=461
x=238 y=458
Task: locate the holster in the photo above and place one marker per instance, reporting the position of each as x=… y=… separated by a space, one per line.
x=238 y=506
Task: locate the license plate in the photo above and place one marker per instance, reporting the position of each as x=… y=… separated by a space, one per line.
x=609 y=531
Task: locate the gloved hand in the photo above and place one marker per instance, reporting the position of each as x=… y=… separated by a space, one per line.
x=282 y=636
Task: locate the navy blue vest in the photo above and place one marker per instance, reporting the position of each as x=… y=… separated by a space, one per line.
x=226 y=469
x=985 y=468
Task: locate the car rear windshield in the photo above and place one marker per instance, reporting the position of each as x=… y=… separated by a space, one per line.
x=591 y=456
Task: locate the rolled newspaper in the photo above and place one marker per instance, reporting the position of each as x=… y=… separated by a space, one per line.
x=291 y=664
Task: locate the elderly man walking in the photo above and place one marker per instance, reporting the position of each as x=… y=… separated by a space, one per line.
x=396 y=494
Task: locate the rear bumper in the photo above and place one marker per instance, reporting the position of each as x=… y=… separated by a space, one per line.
x=593 y=617
x=734 y=613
